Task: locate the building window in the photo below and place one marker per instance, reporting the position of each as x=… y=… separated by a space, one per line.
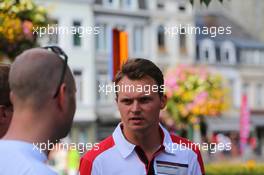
x=161 y=39
x=142 y=4
x=103 y=80
x=226 y=57
x=207 y=51
x=76 y=34
x=218 y=55
x=138 y=44
x=98 y=2
x=259 y=95
x=232 y=91
x=160 y=5
x=111 y=3
x=79 y=82
x=197 y=53
x=228 y=53
x=130 y=4
x=182 y=7
x=183 y=49
x=53 y=38
x=256 y=58
x=245 y=89
x=127 y=3
x=101 y=39
x=261 y=56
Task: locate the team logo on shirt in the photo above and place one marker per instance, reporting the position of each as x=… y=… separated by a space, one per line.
x=170 y=168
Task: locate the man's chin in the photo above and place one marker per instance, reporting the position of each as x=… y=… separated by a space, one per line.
x=136 y=128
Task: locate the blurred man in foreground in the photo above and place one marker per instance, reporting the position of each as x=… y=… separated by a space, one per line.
x=43 y=96
x=6 y=108
x=139 y=144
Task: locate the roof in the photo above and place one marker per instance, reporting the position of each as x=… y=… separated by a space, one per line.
x=239 y=36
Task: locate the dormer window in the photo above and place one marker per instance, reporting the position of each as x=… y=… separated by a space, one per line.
x=228 y=54
x=160 y=5
x=161 y=39
x=182 y=7
x=207 y=51
x=129 y=4
x=111 y=3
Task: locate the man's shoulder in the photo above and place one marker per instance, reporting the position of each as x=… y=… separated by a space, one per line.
x=41 y=169
x=22 y=165
x=177 y=139
x=185 y=143
x=99 y=149
x=194 y=147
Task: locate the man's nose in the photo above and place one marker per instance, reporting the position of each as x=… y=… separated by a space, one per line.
x=136 y=107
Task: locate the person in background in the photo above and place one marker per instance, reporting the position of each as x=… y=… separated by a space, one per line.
x=6 y=108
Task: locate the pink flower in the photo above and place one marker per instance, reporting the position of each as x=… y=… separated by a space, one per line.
x=201 y=98
x=169 y=93
x=171 y=83
x=27 y=29
x=203 y=73
x=190 y=106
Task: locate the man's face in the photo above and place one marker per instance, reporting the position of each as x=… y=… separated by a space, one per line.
x=139 y=110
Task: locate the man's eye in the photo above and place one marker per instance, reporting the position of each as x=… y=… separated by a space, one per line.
x=126 y=101
x=144 y=100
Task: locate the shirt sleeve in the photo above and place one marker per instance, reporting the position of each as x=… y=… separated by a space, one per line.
x=89 y=168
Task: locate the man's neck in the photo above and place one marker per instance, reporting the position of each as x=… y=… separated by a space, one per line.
x=24 y=128
x=149 y=140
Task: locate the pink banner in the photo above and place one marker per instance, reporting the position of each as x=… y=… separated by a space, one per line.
x=244 y=123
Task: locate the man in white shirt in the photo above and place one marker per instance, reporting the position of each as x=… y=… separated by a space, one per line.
x=43 y=96
x=139 y=144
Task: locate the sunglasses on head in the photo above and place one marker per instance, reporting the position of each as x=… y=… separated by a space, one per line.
x=58 y=51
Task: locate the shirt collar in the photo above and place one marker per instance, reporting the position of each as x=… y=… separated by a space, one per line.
x=126 y=148
x=167 y=141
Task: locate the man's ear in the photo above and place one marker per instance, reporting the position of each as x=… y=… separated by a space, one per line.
x=62 y=96
x=163 y=100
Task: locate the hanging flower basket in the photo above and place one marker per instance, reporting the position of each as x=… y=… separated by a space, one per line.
x=17 y=21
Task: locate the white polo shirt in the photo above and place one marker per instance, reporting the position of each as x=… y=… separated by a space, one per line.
x=117 y=156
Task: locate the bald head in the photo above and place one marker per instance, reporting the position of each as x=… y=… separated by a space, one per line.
x=35 y=75
x=4 y=86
